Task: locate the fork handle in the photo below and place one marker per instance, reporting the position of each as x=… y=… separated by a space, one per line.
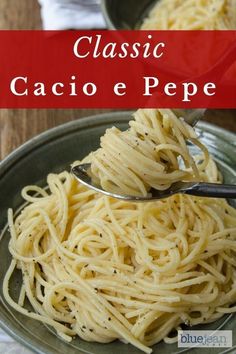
x=214 y=190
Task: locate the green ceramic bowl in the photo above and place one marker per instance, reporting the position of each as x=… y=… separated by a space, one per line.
x=125 y=14
x=53 y=151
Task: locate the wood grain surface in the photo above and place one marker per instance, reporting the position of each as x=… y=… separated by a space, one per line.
x=17 y=126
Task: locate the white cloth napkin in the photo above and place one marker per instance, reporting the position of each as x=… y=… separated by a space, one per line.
x=71 y=14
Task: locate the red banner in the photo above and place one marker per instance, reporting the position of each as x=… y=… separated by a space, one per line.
x=117 y=69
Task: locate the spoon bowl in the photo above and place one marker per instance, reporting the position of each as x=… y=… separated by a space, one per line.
x=215 y=190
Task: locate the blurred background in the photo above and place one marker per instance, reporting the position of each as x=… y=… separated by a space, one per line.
x=17 y=126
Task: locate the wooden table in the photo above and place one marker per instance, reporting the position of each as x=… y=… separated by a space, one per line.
x=17 y=126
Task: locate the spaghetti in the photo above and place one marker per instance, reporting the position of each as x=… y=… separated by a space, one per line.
x=104 y=269
x=192 y=15
x=148 y=154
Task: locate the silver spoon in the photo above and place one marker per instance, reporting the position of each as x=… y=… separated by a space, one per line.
x=191 y=116
x=201 y=189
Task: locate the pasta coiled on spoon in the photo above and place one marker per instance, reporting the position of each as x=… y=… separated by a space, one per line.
x=152 y=153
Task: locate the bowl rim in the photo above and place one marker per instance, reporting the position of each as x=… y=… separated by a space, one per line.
x=106 y=15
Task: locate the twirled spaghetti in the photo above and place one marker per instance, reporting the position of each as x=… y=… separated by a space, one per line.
x=192 y=15
x=148 y=154
x=105 y=269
